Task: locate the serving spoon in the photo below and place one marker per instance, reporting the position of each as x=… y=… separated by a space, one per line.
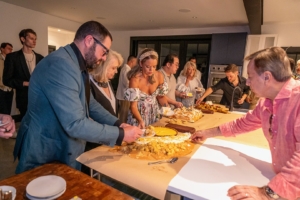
x=172 y=160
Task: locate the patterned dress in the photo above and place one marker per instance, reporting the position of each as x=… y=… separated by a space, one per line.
x=147 y=104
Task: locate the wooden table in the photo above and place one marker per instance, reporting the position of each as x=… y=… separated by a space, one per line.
x=78 y=184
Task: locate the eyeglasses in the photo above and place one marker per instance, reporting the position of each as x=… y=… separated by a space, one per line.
x=102 y=45
x=270 y=122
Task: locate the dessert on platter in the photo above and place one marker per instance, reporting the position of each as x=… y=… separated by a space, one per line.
x=186 y=115
x=215 y=108
x=154 y=148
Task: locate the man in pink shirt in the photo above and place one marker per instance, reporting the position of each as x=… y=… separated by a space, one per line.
x=278 y=114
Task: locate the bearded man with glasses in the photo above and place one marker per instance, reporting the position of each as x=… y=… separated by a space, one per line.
x=62 y=115
x=278 y=114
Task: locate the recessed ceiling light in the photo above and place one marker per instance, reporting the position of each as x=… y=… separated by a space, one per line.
x=58 y=30
x=100 y=17
x=184 y=10
x=194 y=17
x=151 y=20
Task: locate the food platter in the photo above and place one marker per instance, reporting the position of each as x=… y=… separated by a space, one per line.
x=168 y=139
x=166 y=111
x=215 y=108
x=187 y=114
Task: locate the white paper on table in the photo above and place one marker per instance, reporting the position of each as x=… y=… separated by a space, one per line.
x=218 y=165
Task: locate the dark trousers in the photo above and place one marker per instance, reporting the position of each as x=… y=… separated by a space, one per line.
x=6 y=98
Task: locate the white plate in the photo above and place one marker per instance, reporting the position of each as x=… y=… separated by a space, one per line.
x=9 y=188
x=46 y=186
x=47 y=198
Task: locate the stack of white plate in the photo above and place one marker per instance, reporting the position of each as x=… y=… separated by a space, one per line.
x=46 y=188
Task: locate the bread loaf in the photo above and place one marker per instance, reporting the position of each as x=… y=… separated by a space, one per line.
x=182 y=129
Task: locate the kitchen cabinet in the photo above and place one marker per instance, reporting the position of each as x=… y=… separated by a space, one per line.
x=228 y=48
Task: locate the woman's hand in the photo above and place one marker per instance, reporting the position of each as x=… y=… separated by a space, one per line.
x=178 y=104
x=182 y=95
x=142 y=125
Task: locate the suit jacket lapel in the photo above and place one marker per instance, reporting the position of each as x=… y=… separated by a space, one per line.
x=24 y=64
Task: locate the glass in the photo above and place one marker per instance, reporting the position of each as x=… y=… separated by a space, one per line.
x=102 y=45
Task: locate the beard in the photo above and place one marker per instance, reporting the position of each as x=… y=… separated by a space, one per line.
x=90 y=58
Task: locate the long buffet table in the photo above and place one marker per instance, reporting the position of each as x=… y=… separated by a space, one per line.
x=216 y=165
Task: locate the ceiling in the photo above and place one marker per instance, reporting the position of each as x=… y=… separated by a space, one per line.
x=162 y=14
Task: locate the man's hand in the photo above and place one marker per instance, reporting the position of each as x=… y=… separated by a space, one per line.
x=131 y=133
x=26 y=83
x=247 y=192
x=200 y=136
x=7 y=131
x=199 y=100
x=123 y=125
x=241 y=101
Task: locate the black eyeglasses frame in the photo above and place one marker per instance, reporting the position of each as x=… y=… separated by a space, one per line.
x=102 y=45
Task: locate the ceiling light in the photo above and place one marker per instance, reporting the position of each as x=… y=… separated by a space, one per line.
x=194 y=17
x=184 y=10
x=58 y=30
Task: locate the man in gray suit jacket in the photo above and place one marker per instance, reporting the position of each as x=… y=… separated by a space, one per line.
x=62 y=115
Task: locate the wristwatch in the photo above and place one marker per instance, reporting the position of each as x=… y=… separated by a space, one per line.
x=271 y=193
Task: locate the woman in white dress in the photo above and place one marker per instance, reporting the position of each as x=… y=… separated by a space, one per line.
x=190 y=84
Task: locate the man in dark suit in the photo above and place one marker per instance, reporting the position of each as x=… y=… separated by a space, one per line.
x=18 y=67
x=6 y=93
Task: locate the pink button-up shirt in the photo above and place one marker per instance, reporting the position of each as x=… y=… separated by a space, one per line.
x=285 y=140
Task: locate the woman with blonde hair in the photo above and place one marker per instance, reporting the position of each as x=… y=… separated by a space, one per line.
x=188 y=83
x=101 y=86
x=145 y=85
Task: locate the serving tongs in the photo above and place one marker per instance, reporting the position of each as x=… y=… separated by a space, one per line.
x=172 y=160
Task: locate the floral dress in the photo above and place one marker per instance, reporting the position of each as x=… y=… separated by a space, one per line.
x=147 y=104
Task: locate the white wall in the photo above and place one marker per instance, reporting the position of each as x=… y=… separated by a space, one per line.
x=59 y=39
x=288 y=34
x=121 y=39
x=14 y=18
